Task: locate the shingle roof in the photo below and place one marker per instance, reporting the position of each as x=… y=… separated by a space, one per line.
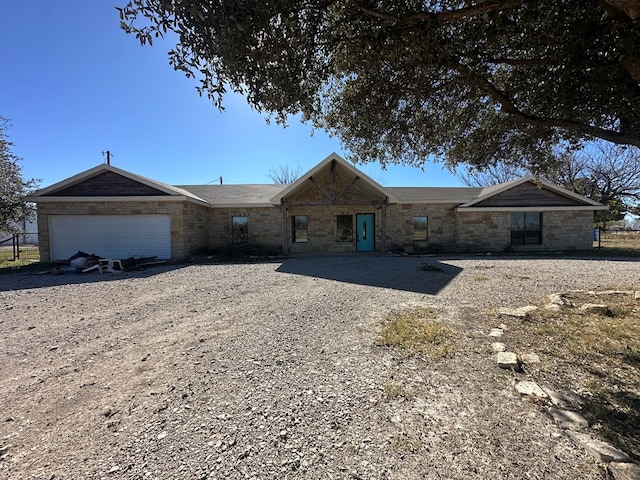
x=235 y=194
x=435 y=194
x=262 y=194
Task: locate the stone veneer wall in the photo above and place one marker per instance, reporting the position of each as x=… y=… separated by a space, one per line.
x=196 y=228
x=490 y=231
x=569 y=230
x=175 y=209
x=322 y=228
x=264 y=226
x=482 y=231
x=440 y=226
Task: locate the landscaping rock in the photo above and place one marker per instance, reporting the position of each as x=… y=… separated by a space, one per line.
x=637 y=295
x=625 y=471
x=597 y=308
x=560 y=300
x=496 y=332
x=498 y=347
x=529 y=358
x=531 y=389
x=563 y=400
x=568 y=419
x=508 y=361
x=522 y=312
x=615 y=292
x=603 y=452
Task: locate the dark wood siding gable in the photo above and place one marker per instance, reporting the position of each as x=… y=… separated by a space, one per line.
x=528 y=194
x=108 y=184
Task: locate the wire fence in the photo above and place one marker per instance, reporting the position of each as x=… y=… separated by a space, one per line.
x=622 y=239
x=22 y=246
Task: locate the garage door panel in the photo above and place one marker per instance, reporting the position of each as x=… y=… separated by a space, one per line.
x=111 y=236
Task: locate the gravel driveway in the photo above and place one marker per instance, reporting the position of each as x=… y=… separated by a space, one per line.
x=270 y=370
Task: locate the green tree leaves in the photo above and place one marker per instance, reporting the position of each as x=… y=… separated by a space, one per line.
x=403 y=81
x=12 y=186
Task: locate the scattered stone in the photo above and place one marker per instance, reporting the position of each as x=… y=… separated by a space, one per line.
x=53 y=348
x=114 y=469
x=529 y=358
x=496 y=332
x=625 y=471
x=614 y=292
x=597 y=308
x=508 y=361
x=498 y=347
x=553 y=306
x=563 y=400
x=530 y=389
x=637 y=295
x=568 y=419
x=162 y=435
x=560 y=300
x=522 y=312
x=603 y=452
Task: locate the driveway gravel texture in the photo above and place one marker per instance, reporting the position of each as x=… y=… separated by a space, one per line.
x=270 y=370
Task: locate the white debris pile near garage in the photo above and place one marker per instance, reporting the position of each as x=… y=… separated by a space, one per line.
x=82 y=262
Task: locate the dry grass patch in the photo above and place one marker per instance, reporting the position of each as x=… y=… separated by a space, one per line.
x=395 y=391
x=28 y=256
x=597 y=356
x=403 y=443
x=417 y=332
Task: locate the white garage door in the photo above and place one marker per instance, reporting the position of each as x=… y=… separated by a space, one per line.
x=110 y=236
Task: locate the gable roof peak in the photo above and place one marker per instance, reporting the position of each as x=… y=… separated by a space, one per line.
x=332 y=163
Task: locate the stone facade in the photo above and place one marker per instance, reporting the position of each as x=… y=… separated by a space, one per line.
x=264 y=226
x=490 y=231
x=189 y=222
x=482 y=231
x=331 y=196
x=323 y=228
x=440 y=227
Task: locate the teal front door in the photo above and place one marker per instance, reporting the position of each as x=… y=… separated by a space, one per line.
x=364 y=232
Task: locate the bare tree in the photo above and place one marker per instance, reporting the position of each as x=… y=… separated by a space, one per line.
x=284 y=174
x=499 y=173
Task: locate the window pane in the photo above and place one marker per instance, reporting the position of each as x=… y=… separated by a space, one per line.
x=517 y=238
x=526 y=228
x=344 y=230
x=299 y=229
x=532 y=237
x=239 y=229
x=517 y=222
x=532 y=220
x=419 y=228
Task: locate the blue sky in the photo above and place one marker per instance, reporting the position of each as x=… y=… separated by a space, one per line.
x=73 y=85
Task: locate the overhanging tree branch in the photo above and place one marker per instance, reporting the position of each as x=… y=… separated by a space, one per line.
x=509 y=107
x=445 y=16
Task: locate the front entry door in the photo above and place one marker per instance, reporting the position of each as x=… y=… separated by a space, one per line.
x=364 y=232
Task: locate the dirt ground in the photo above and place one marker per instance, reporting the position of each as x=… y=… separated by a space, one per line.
x=271 y=370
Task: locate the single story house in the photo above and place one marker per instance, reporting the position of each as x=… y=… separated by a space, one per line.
x=333 y=208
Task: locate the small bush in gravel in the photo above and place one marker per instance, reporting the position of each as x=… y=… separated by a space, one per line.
x=403 y=443
x=416 y=331
x=394 y=391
